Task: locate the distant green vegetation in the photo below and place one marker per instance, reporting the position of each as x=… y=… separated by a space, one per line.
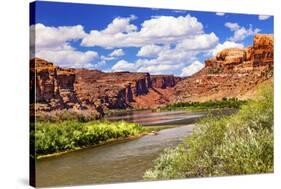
x=63 y=115
x=52 y=137
x=238 y=144
x=212 y=104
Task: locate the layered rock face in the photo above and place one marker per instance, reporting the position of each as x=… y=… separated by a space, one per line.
x=231 y=73
x=112 y=90
x=60 y=88
x=54 y=86
x=164 y=81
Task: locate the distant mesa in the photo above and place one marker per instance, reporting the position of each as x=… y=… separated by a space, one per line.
x=232 y=72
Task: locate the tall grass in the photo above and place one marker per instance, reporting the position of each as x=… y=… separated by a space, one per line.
x=211 y=104
x=231 y=145
x=51 y=137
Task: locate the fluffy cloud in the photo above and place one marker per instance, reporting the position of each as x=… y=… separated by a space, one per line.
x=199 y=42
x=192 y=69
x=166 y=61
x=69 y=58
x=232 y=26
x=149 y=51
x=120 y=25
x=54 y=37
x=53 y=44
x=107 y=58
x=167 y=43
x=157 y=30
x=170 y=27
x=225 y=45
x=263 y=17
x=117 y=52
x=123 y=65
x=220 y=13
x=240 y=33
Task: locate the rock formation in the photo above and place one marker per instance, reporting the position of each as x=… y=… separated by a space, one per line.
x=59 y=88
x=164 y=81
x=54 y=86
x=231 y=73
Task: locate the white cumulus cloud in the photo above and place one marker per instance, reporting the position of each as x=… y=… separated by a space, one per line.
x=48 y=37
x=149 y=51
x=120 y=25
x=157 y=30
x=240 y=33
x=232 y=26
x=69 y=58
x=53 y=44
x=123 y=65
x=191 y=69
x=199 y=42
x=117 y=52
x=264 y=17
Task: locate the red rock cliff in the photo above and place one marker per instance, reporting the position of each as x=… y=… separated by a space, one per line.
x=54 y=86
x=231 y=73
x=58 y=88
x=164 y=81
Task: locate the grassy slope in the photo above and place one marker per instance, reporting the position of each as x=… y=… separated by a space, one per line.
x=237 y=144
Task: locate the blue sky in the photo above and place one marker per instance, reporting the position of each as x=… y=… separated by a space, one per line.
x=159 y=41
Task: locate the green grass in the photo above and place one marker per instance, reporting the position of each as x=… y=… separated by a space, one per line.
x=53 y=137
x=238 y=144
x=212 y=104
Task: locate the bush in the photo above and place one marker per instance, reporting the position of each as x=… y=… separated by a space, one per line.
x=51 y=137
x=231 y=145
x=224 y=103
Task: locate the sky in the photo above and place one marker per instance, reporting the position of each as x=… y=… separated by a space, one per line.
x=118 y=38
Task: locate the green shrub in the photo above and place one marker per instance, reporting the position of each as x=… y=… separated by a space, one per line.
x=51 y=137
x=231 y=145
x=211 y=104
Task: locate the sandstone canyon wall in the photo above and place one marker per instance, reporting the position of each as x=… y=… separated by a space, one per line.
x=59 y=88
x=231 y=73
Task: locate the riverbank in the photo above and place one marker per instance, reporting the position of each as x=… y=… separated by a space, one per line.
x=110 y=141
x=110 y=163
x=210 y=105
x=58 y=138
x=231 y=145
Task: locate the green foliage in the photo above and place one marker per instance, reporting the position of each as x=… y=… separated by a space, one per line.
x=51 y=137
x=224 y=103
x=231 y=145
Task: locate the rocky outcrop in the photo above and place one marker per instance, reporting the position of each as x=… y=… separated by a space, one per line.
x=59 y=88
x=231 y=73
x=112 y=90
x=54 y=87
x=164 y=81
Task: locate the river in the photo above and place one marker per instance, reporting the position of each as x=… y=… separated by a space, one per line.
x=120 y=162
